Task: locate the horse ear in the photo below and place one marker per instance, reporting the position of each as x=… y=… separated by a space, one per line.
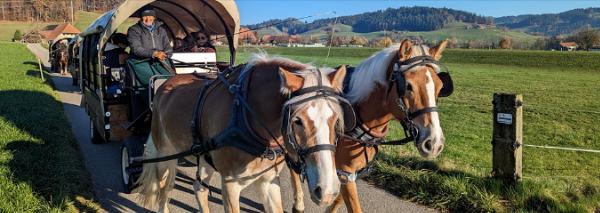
x=405 y=50
x=436 y=52
x=290 y=82
x=337 y=78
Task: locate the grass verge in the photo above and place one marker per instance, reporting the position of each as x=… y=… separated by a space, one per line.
x=41 y=168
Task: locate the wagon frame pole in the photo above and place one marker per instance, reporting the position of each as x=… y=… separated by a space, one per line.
x=507 y=138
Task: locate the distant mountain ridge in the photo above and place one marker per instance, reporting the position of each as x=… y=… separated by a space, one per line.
x=553 y=24
x=400 y=19
x=422 y=19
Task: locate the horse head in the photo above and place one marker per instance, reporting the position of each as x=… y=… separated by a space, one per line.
x=312 y=118
x=418 y=83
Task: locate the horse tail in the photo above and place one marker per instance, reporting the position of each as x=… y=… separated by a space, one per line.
x=156 y=179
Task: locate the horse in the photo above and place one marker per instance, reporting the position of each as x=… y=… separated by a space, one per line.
x=401 y=83
x=63 y=60
x=309 y=123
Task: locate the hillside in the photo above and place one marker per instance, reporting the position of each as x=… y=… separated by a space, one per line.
x=553 y=24
x=462 y=32
x=8 y=28
x=400 y=19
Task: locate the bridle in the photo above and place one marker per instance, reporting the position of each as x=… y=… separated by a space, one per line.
x=363 y=135
x=398 y=77
x=300 y=97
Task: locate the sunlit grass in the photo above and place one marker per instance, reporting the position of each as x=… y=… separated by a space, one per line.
x=41 y=168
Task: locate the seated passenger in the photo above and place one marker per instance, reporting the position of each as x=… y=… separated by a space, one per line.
x=114 y=58
x=202 y=43
x=114 y=52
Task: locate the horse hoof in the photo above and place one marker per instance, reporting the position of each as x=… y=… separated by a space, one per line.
x=294 y=210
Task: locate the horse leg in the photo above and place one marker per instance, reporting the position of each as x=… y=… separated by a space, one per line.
x=337 y=203
x=204 y=175
x=231 y=195
x=350 y=195
x=271 y=192
x=298 y=193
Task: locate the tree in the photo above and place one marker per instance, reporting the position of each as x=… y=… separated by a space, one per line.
x=359 y=40
x=587 y=38
x=384 y=42
x=505 y=43
x=18 y=35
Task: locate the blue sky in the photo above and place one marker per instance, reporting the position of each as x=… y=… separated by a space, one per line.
x=256 y=11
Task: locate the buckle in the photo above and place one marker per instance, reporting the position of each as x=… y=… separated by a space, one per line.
x=234 y=88
x=270 y=154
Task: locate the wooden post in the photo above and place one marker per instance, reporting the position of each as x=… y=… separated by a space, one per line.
x=41 y=70
x=507 y=137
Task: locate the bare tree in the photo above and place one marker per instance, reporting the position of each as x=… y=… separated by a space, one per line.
x=586 y=38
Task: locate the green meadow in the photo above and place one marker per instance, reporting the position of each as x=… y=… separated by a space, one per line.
x=41 y=167
x=561 y=108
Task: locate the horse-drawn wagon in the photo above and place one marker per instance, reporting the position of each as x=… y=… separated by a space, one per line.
x=59 y=55
x=118 y=100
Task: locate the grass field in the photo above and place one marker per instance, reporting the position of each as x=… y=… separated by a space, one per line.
x=561 y=109
x=41 y=168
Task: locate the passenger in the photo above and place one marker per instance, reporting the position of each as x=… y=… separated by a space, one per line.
x=114 y=52
x=114 y=59
x=148 y=38
x=202 y=43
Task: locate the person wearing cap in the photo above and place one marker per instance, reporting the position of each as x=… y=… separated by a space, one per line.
x=148 y=38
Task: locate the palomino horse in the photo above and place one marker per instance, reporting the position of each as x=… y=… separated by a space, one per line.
x=396 y=83
x=263 y=88
x=63 y=60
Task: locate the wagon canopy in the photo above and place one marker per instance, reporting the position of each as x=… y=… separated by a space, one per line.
x=215 y=17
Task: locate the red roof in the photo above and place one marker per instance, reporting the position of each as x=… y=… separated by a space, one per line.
x=568 y=44
x=54 y=31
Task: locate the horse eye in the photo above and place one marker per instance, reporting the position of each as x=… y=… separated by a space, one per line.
x=298 y=122
x=409 y=87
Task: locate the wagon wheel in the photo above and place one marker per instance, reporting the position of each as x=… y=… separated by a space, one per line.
x=132 y=148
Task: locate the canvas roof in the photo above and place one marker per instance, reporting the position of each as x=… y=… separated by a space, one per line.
x=180 y=16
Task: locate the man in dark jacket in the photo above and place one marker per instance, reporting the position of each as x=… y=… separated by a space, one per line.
x=148 y=39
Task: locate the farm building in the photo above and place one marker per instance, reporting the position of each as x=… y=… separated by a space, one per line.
x=58 y=31
x=568 y=46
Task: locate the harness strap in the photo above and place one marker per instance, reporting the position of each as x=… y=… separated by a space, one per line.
x=317 y=148
x=421 y=112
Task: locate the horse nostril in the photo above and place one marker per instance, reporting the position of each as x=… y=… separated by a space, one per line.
x=318 y=193
x=427 y=145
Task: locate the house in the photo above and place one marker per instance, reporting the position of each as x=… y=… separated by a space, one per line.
x=58 y=31
x=568 y=46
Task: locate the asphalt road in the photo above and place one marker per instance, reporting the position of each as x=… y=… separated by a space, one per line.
x=103 y=162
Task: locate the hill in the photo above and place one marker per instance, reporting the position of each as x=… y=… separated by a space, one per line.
x=553 y=24
x=461 y=34
x=400 y=19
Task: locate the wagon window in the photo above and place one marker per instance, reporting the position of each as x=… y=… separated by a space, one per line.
x=93 y=63
x=85 y=66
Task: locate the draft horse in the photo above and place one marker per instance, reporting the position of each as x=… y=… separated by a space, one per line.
x=243 y=116
x=397 y=83
x=62 y=58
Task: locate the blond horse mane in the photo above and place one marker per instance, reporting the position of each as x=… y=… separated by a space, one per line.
x=372 y=71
